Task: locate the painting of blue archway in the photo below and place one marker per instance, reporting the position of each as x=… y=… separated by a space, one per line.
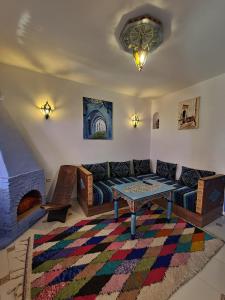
x=97 y=118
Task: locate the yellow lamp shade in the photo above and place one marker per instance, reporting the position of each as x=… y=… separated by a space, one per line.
x=140 y=57
x=46 y=109
x=135 y=120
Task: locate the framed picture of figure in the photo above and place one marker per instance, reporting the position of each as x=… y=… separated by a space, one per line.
x=188 y=113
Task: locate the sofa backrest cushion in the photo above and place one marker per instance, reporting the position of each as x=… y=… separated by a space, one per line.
x=141 y=167
x=119 y=169
x=99 y=171
x=166 y=170
x=190 y=177
x=204 y=173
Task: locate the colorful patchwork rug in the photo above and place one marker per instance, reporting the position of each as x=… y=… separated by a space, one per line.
x=96 y=260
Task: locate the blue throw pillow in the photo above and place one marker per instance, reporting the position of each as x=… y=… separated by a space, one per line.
x=99 y=171
x=190 y=177
x=166 y=170
x=141 y=167
x=119 y=169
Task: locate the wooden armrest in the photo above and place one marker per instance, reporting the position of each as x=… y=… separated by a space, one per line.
x=210 y=193
x=84 y=171
x=212 y=177
x=85 y=185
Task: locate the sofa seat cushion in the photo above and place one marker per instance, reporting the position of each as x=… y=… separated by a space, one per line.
x=166 y=170
x=146 y=176
x=119 y=169
x=102 y=193
x=157 y=178
x=186 y=197
x=120 y=180
x=102 y=190
x=189 y=177
x=141 y=167
x=99 y=171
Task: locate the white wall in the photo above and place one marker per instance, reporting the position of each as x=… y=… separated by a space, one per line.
x=199 y=148
x=60 y=140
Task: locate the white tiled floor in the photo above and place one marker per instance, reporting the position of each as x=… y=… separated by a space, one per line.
x=209 y=284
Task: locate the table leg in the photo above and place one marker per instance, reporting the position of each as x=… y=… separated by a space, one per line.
x=116 y=210
x=169 y=206
x=133 y=225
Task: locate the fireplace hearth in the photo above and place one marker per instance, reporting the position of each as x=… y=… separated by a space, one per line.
x=28 y=203
x=22 y=183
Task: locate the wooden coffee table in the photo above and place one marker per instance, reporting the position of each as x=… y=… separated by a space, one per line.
x=140 y=193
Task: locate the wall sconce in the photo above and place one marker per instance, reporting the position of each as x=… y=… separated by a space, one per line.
x=135 y=120
x=46 y=110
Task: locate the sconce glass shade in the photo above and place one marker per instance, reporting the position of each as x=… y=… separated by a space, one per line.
x=46 y=110
x=135 y=120
x=140 y=57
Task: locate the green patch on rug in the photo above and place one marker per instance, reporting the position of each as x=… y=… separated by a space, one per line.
x=123 y=237
x=135 y=281
x=145 y=264
x=186 y=238
x=143 y=228
x=35 y=292
x=103 y=257
x=47 y=265
x=37 y=236
x=99 y=226
x=150 y=233
x=183 y=247
x=70 y=289
x=75 y=235
x=62 y=244
x=109 y=268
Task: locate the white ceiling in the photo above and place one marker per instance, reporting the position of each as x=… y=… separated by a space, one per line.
x=77 y=40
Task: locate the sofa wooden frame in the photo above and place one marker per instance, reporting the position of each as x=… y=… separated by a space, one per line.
x=209 y=206
x=85 y=194
x=207 y=210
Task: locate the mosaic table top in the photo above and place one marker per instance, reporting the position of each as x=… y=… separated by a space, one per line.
x=138 y=190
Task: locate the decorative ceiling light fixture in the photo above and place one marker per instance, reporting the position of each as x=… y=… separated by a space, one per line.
x=140 y=36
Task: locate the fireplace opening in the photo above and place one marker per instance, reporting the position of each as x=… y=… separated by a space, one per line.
x=28 y=203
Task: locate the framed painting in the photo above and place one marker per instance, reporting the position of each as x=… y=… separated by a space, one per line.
x=97 y=119
x=188 y=114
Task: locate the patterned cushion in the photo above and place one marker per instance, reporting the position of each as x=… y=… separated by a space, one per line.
x=102 y=190
x=186 y=197
x=141 y=167
x=204 y=173
x=166 y=170
x=99 y=171
x=190 y=177
x=119 y=169
x=147 y=176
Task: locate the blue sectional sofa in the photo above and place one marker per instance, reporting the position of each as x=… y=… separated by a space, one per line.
x=194 y=188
